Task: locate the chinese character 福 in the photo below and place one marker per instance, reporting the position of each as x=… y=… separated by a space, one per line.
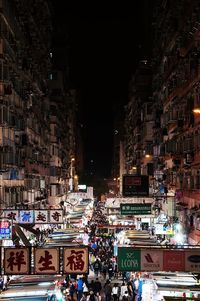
x=75 y=261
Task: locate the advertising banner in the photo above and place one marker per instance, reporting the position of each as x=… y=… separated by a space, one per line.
x=135 y=185
x=152 y=260
x=192 y=261
x=173 y=260
x=129 y=259
x=46 y=261
x=76 y=260
x=52 y=216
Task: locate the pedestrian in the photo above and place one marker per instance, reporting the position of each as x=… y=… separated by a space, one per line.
x=91 y=296
x=110 y=270
x=123 y=290
x=72 y=290
x=104 y=270
x=115 y=292
x=108 y=290
x=97 y=286
x=80 y=288
x=130 y=291
x=97 y=267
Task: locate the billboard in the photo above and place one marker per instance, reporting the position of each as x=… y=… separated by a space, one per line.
x=42 y=216
x=135 y=185
x=135 y=209
x=152 y=260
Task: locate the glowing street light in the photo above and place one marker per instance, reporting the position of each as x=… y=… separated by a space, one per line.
x=196 y=110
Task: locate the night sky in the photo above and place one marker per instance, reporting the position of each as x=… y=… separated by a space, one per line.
x=103 y=50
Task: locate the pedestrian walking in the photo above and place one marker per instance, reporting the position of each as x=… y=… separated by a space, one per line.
x=115 y=292
x=80 y=288
x=108 y=290
x=97 y=286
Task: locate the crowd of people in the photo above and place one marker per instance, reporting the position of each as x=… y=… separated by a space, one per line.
x=107 y=284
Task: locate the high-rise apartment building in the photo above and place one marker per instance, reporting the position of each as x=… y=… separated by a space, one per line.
x=37 y=111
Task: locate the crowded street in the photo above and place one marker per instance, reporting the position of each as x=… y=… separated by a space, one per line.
x=103 y=281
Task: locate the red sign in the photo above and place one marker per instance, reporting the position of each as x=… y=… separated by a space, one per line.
x=173 y=260
x=76 y=260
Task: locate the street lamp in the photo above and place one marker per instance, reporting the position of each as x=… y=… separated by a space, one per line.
x=71 y=173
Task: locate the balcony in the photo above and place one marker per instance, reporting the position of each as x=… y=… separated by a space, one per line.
x=12 y=183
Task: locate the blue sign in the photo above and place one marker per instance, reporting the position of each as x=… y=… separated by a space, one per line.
x=5 y=229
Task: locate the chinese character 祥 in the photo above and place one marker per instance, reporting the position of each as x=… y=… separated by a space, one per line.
x=16 y=260
x=75 y=261
x=56 y=216
x=26 y=216
x=41 y=217
x=12 y=215
x=46 y=262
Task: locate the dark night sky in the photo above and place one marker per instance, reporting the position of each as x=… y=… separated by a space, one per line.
x=104 y=48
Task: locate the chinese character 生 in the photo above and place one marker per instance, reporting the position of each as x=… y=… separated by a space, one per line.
x=46 y=262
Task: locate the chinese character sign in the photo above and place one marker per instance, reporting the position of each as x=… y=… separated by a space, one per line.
x=16 y=261
x=12 y=215
x=26 y=217
x=41 y=216
x=5 y=229
x=76 y=260
x=56 y=216
x=47 y=261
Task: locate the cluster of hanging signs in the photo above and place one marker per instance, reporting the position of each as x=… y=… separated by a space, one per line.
x=44 y=261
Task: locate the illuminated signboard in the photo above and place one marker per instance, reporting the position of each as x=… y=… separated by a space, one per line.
x=135 y=209
x=5 y=229
x=76 y=260
x=133 y=185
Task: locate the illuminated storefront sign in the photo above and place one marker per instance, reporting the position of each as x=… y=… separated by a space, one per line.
x=135 y=209
x=5 y=229
x=133 y=185
x=53 y=216
x=16 y=261
x=129 y=259
x=12 y=215
x=76 y=260
x=46 y=261
x=173 y=260
x=26 y=217
x=151 y=260
x=41 y=216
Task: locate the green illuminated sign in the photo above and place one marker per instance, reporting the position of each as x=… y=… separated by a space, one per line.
x=129 y=259
x=135 y=209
